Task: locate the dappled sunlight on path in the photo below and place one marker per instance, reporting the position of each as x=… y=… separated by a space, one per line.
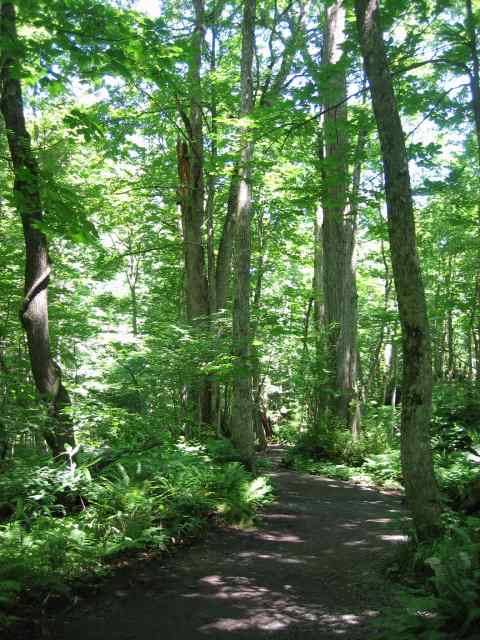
x=311 y=569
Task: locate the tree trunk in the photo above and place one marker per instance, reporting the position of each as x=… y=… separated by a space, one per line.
x=389 y=396
x=257 y=382
x=451 y=372
x=438 y=340
x=34 y=312
x=420 y=484
x=191 y=161
x=347 y=349
x=133 y=272
x=338 y=231
x=225 y=249
x=272 y=87
x=270 y=90
x=190 y=156
x=242 y=415
x=474 y=75
x=211 y=194
x=375 y=357
x=4 y=435
x=475 y=330
x=319 y=394
x=474 y=72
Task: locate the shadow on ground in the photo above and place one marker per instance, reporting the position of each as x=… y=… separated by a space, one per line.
x=312 y=569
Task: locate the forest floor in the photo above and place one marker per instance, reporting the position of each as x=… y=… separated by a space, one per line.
x=313 y=567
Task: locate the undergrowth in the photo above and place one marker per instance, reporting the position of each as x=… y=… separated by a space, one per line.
x=62 y=522
x=440 y=597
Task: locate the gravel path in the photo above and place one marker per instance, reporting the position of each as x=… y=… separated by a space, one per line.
x=311 y=570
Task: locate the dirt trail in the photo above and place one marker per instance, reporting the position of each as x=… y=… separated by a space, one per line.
x=312 y=569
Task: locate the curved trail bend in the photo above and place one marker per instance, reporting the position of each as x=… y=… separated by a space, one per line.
x=312 y=569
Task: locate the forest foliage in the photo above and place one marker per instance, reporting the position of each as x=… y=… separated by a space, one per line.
x=205 y=185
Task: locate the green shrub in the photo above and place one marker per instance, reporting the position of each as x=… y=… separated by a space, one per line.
x=447 y=606
x=241 y=494
x=456 y=418
x=455 y=473
x=221 y=450
x=64 y=521
x=286 y=433
x=384 y=468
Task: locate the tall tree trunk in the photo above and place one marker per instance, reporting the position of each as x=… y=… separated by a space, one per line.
x=191 y=158
x=450 y=371
x=319 y=395
x=133 y=273
x=4 y=435
x=475 y=329
x=375 y=357
x=390 y=394
x=438 y=339
x=34 y=312
x=420 y=484
x=270 y=90
x=190 y=155
x=211 y=194
x=338 y=228
x=347 y=351
x=257 y=383
x=242 y=418
x=474 y=75
x=225 y=249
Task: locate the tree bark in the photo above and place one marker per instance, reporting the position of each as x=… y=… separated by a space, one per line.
x=438 y=339
x=474 y=73
x=257 y=382
x=272 y=87
x=4 y=435
x=225 y=249
x=389 y=396
x=133 y=273
x=211 y=195
x=338 y=231
x=474 y=76
x=375 y=357
x=242 y=412
x=475 y=330
x=416 y=455
x=190 y=156
x=26 y=190
x=319 y=394
x=347 y=350
x=191 y=160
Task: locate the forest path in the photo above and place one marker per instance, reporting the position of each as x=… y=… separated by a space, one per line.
x=311 y=569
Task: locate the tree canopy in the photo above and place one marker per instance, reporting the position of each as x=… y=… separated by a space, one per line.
x=223 y=222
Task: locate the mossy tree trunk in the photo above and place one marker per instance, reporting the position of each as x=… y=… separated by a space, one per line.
x=420 y=485
x=26 y=190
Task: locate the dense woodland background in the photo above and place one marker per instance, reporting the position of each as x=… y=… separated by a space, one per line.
x=234 y=222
